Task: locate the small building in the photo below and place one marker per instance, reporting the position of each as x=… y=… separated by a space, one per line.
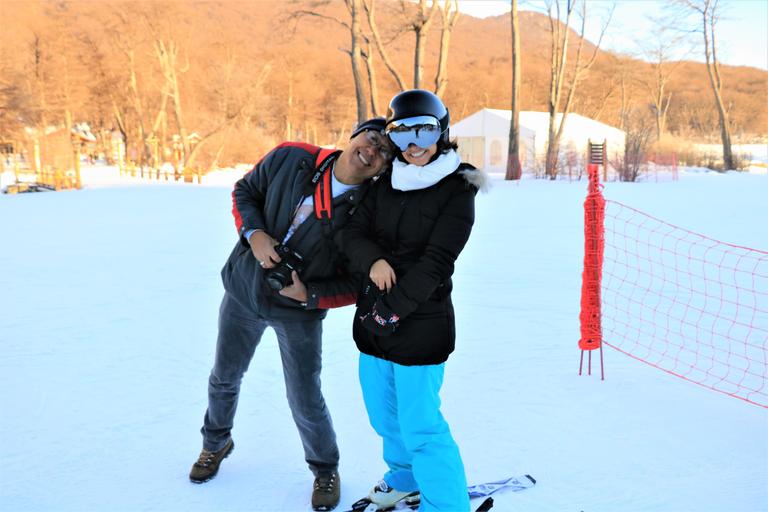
x=483 y=138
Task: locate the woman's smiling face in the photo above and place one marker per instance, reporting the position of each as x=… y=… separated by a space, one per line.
x=419 y=156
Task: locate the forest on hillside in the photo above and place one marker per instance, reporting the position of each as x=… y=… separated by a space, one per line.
x=228 y=80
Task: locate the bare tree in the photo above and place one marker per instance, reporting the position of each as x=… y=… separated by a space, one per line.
x=419 y=22
x=234 y=102
x=659 y=54
x=354 y=8
x=15 y=104
x=420 y=25
x=372 y=85
x=624 y=70
x=594 y=105
x=709 y=13
x=57 y=79
x=108 y=92
x=39 y=85
x=226 y=104
x=71 y=92
x=72 y=97
x=450 y=15
x=514 y=172
x=289 y=112
x=167 y=52
x=559 y=36
x=639 y=130
x=118 y=55
x=38 y=59
x=125 y=36
x=355 y=54
x=16 y=98
x=138 y=104
x=370 y=7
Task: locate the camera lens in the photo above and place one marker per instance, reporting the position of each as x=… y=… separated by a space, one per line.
x=280 y=276
x=277 y=279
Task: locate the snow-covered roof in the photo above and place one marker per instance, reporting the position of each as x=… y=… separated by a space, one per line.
x=84 y=132
x=485 y=121
x=492 y=121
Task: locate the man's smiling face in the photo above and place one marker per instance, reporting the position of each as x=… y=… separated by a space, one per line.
x=367 y=154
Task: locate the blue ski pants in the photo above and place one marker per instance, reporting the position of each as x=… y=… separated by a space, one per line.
x=403 y=404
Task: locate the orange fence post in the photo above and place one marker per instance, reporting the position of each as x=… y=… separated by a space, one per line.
x=594 y=231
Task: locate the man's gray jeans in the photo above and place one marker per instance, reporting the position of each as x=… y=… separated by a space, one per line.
x=301 y=352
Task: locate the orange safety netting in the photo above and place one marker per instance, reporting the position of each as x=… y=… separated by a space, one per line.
x=687 y=304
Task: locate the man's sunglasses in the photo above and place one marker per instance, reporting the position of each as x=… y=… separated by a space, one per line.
x=380 y=143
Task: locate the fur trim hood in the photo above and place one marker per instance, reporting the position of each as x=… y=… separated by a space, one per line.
x=478 y=178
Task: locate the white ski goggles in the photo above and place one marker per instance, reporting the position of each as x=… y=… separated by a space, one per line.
x=423 y=131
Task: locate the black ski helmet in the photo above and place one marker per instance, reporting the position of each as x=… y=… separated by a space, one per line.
x=418 y=102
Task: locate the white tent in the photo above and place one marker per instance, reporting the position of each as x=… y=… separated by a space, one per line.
x=483 y=138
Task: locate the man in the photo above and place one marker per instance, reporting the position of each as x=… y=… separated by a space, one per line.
x=284 y=273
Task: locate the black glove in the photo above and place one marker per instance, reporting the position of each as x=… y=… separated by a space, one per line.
x=380 y=320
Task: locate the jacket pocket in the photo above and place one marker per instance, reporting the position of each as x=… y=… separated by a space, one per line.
x=232 y=263
x=431 y=309
x=241 y=275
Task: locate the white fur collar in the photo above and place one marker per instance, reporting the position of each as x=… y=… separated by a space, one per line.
x=413 y=177
x=477 y=178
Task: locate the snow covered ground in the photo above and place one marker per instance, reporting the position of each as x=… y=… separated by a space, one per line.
x=109 y=300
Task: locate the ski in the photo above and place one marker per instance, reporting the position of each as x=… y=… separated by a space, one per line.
x=484 y=490
x=366 y=505
x=516 y=483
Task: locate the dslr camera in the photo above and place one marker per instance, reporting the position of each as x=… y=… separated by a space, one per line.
x=279 y=276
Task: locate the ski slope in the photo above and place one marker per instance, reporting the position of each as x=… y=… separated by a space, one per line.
x=108 y=309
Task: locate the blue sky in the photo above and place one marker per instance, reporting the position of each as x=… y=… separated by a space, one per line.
x=742 y=32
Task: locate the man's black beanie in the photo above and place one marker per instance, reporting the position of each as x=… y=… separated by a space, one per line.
x=376 y=124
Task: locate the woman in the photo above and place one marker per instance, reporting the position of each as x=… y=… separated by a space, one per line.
x=405 y=237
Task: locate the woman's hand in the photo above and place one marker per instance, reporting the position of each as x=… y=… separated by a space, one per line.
x=382 y=275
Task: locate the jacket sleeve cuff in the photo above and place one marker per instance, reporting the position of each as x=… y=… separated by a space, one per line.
x=368 y=261
x=245 y=234
x=313 y=296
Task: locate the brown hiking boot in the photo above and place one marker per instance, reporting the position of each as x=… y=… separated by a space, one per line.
x=326 y=491
x=208 y=463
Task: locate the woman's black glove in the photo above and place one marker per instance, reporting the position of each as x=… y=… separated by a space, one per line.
x=380 y=320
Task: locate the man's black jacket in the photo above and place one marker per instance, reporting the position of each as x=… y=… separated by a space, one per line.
x=266 y=198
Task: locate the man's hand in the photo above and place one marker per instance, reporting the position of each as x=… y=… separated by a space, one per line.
x=382 y=275
x=297 y=290
x=263 y=249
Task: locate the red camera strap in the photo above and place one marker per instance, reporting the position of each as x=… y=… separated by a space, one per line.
x=323 y=197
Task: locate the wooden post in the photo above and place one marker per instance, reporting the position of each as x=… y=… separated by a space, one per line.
x=58 y=179
x=15 y=166
x=76 y=154
x=38 y=166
